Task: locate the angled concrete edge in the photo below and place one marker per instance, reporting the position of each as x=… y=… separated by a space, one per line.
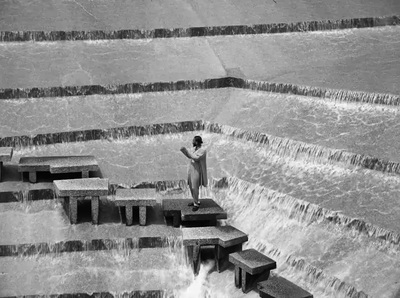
x=320 y=25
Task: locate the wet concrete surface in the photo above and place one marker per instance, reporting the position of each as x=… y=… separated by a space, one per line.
x=106 y=62
x=356 y=59
x=113 y=15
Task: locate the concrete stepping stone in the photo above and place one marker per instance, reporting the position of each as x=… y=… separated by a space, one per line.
x=74 y=189
x=179 y=210
x=279 y=287
x=57 y=165
x=251 y=267
x=5 y=156
x=142 y=198
x=226 y=240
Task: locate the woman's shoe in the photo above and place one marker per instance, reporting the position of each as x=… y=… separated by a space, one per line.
x=195 y=207
x=192 y=204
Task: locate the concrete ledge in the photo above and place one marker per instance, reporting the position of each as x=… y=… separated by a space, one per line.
x=12 y=36
x=224 y=236
x=135 y=197
x=33 y=249
x=180 y=211
x=252 y=261
x=101 y=134
x=81 y=187
x=279 y=287
x=57 y=165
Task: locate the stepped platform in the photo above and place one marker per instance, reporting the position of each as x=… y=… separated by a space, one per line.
x=5 y=156
x=225 y=239
x=350 y=194
x=251 y=267
x=17 y=191
x=54 y=233
x=202 y=58
x=85 y=15
x=57 y=165
x=208 y=213
x=321 y=122
x=90 y=272
x=279 y=287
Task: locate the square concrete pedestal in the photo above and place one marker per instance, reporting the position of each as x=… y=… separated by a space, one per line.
x=74 y=189
x=225 y=239
x=251 y=267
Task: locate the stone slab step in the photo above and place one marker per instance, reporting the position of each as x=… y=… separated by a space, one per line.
x=58 y=164
x=252 y=261
x=81 y=187
x=224 y=236
x=86 y=15
x=165 y=60
x=93 y=271
x=135 y=197
x=279 y=287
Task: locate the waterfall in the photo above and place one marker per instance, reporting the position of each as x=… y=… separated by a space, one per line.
x=309 y=213
x=324 y=93
x=299 y=270
x=298 y=150
x=318 y=249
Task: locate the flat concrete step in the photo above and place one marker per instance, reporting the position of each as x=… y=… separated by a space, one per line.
x=224 y=236
x=81 y=187
x=180 y=211
x=252 y=261
x=87 y=15
x=52 y=228
x=284 y=58
x=135 y=197
x=279 y=287
x=98 y=271
x=126 y=61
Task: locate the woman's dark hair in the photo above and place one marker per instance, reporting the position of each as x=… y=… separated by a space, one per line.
x=198 y=140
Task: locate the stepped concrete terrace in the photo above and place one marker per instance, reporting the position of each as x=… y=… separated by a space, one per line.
x=349 y=204
x=330 y=223
x=316 y=59
x=64 y=20
x=361 y=128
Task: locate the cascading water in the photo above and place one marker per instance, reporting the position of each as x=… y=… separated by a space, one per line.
x=328 y=259
x=330 y=221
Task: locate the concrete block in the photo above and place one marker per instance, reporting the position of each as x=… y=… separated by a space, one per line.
x=81 y=187
x=279 y=287
x=252 y=261
x=253 y=267
x=224 y=236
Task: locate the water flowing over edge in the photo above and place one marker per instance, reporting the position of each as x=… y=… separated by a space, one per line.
x=295 y=150
x=225 y=82
x=304 y=211
x=123 y=245
x=311 y=272
x=306 y=26
x=298 y=150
